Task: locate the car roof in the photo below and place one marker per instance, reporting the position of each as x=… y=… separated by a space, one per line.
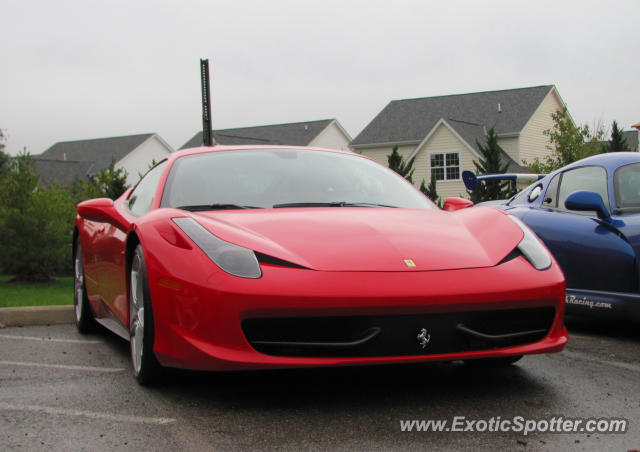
x=609 y=161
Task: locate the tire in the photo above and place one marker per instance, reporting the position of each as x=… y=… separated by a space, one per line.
x=493 y=362
x=146 y=368
x=82 y=309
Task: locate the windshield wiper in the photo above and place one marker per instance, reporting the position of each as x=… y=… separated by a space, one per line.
x=203 y=207
x=329 y=204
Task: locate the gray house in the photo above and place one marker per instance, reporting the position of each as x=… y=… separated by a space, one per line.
x=67 y=161
x=326 y=133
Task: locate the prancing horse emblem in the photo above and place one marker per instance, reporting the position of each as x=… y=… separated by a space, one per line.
x=424 y=337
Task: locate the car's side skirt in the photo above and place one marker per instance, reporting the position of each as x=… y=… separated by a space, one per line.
x=603 y=304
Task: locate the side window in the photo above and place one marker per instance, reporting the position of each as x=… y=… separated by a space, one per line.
x=445 y=166
x=551 y=196
x=591 y=178
x=142 y=196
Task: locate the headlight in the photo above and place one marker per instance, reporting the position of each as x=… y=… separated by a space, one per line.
x=233 y=259
x=531 y=247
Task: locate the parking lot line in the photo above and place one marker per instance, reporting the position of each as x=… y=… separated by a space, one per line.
x=62 y=366
x=89 y=414
x=48 y=339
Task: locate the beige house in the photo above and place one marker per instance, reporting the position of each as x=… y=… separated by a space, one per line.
x=441 y=132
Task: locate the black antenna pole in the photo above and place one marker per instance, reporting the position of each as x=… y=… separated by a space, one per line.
x=206 y=103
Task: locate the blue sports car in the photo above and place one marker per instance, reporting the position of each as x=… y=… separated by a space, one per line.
x=588 y=215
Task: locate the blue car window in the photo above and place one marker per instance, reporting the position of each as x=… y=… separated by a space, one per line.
x=626 y=185
x=590 y=178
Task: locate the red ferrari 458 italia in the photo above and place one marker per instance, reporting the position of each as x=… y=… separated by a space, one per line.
x=225 y=258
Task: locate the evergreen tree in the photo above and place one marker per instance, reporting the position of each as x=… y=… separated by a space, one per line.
x=109 y=183
x=398 y=164
x=35 y=224
x=431 y=192
x=4 y=163
x=618 y=142
x=492 y=164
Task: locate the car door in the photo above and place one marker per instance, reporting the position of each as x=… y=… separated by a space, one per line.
x=112 y=246
x=592 y=253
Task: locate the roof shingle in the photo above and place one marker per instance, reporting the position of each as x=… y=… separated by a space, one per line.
x=410 y=120
x=292 y=134
x=98 y=151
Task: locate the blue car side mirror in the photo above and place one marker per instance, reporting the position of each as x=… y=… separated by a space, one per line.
x=589 y=201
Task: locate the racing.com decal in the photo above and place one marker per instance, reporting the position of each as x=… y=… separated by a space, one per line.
x=584 y=301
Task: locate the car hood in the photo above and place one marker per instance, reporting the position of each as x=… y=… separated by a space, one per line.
x=370 y=239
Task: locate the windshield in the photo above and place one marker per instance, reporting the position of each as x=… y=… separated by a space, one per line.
x=269 y=178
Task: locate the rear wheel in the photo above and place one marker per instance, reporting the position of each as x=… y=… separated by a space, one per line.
x=82 y=310
x=146 y=368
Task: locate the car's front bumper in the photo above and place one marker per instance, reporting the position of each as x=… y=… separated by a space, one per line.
x=199 y=310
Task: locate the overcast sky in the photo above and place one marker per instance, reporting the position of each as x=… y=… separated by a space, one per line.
x=72 y=70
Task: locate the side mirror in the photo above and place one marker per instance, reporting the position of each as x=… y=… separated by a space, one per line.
x=453 y=203
x=102 y=210
x=587 y=201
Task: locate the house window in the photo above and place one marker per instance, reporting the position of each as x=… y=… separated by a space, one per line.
x=445 y=166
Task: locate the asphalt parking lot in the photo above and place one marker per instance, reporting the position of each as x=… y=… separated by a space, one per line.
x=60 y=390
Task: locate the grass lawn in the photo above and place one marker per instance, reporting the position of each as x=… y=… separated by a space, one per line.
x=58 y=292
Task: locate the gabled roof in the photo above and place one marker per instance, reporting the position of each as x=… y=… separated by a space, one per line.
x=98 y=151
x=292 y=134
x=409 y=120
x=470 y=134
x=63 y=172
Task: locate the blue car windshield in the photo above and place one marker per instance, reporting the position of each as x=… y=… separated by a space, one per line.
x=626 y=184
x=266 y=178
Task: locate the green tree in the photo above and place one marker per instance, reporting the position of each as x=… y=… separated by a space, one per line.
x=567 y=143
x=151 y=165
x=108 y=183
x=492 y=164
x=618 y=142
x=398 y=164
x=35 y=224
x=4 y=161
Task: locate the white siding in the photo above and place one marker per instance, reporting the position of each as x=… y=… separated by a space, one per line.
x=332 y=137
x=532 y=141
x=137 y=161
x=380 y=154
x=443 y=140
x=511 y=146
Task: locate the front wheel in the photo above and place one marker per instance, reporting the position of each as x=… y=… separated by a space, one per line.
x=81 y=308
x=146 y=368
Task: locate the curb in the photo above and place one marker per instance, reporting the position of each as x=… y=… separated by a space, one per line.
x=36 y=315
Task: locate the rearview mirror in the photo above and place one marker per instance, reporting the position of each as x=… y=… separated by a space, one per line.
x=587 y=201
x=453 y=203
x=102 y=210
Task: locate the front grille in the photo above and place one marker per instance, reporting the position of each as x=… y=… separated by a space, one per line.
x=397 y=335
